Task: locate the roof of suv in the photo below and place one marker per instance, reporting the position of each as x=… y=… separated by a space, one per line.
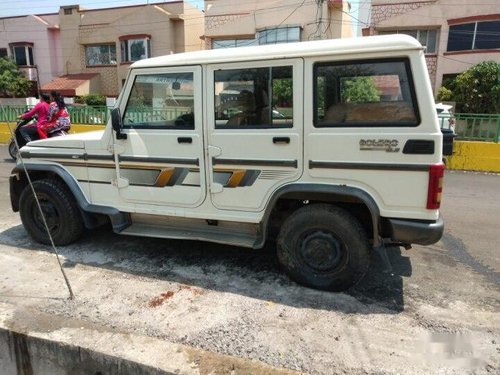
x=349 y=46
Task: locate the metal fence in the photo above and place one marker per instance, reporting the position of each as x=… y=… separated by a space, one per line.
x=149 y=115
x=78 y=114
x=88 y=115
x=477 y=127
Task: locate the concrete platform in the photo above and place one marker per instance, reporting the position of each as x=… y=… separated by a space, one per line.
x=32 y=342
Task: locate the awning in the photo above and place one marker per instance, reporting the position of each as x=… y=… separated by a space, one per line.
x=73 y=84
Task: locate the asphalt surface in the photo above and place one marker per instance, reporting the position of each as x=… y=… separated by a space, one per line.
x=438 y=312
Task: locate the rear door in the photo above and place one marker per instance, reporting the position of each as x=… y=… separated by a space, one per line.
x=254 y=131
x=363 y=115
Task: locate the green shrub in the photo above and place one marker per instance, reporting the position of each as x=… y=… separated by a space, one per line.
x=444 y=94
x=477 y=90
x=91 y=99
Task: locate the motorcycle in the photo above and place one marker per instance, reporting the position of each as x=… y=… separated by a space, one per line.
x=21 y=141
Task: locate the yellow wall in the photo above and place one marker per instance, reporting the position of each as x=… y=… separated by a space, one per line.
x=475 y=156
x=5 y=132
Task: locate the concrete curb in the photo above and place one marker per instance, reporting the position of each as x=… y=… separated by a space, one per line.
x=101 y=350
x=24 y=354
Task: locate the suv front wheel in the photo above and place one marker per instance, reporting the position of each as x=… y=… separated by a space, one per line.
x=324 y=247
x=56 y=206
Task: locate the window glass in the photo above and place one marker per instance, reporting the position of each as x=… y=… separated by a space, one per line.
x=282 y=35
x=413 y=33
x=223 y=43
x=135 y=49
x=100 y=55
x=230 y=43
x=246 y=42
x=294 y=34
x=431 y=41
x=487 y=35
x=460 y=37
x=23 y=55
x=20 y=55
x=422 y=37
x=30 y=55
x=161 y=101
x=279 y=35
x=426 y=37
x=372 y=93
x=258 y=97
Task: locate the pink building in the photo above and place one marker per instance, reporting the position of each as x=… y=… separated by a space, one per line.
x=80 y=51
x=34 y=43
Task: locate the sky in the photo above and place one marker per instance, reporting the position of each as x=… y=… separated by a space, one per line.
x=9 y=8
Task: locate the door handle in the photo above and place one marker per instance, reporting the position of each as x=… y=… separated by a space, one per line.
x=184 y=140
x=281 y=140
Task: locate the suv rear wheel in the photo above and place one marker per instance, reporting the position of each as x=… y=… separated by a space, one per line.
x=324 y=247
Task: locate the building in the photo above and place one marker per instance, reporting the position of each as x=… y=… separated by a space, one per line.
x=79 y=51
x=102 y=43
x=364 y=13
x=231 y=23
x=34 y=44
x=456 y=34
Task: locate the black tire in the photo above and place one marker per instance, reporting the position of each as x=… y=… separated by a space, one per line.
x=13 y=150
x=324 y=247
x=60 y=209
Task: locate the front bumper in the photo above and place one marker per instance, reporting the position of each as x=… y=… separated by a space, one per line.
x=14 y=191
x=415 y=231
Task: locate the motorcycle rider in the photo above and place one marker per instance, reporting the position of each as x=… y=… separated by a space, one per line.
x=58 y=118
x=41 y=110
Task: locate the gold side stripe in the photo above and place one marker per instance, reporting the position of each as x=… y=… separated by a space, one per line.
x=164 y=177
x=236 y=178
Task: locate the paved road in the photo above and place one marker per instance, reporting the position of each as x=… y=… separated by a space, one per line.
x=438 y=311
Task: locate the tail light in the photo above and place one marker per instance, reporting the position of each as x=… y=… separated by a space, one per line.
x=435 y=189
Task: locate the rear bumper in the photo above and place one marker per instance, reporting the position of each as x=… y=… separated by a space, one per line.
x=416 y=231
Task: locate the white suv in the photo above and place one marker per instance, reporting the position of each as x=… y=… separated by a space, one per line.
x=194 y=150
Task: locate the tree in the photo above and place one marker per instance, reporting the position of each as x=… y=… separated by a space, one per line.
x=359 y=89
x=477 y=90
x=12 y=81
x=282 y=91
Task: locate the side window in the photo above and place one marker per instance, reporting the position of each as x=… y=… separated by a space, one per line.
x=161 y=101
x=254 y=97
x=361 y=94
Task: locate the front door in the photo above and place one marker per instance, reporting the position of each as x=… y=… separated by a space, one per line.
x=255 y=131
x=161 y=158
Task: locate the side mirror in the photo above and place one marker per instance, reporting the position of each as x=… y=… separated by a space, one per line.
x=176 y=85
x=116 y=122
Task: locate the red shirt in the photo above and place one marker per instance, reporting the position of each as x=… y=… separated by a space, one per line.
x=41 y=110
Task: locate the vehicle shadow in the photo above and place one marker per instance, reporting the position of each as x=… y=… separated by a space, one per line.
x=229 y=269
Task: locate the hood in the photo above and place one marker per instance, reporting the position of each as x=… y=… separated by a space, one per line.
x=75 y=141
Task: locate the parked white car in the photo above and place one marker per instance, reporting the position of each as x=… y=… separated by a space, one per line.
x=340 y=176
x=445 y=116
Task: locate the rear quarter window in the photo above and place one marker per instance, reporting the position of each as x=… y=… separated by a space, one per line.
x=369 y=93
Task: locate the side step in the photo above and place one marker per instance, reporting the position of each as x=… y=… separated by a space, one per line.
x=224 y=232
